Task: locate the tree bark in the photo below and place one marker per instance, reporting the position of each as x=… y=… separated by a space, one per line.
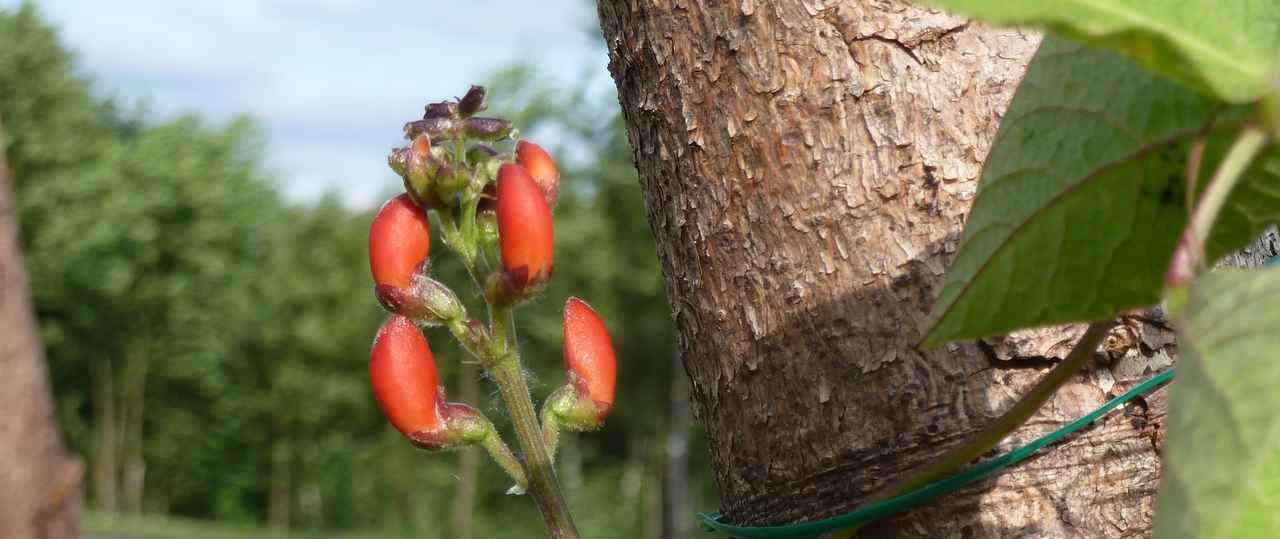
x=807 y=166
x=40 y=497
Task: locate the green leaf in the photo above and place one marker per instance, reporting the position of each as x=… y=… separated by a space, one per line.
x=1082 y=196
x=1221 y=473
x=1252 y=208
x=1228 y=49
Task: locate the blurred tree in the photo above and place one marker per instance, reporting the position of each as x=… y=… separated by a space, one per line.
x=208 y=341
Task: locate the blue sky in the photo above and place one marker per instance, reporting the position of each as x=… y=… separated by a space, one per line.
x=330 y=81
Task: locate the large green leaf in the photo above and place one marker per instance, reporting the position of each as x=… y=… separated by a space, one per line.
x=1229 y=48
x=1221 y=473
x=1082 y=196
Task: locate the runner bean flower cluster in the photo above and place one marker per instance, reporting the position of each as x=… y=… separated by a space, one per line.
x=494 y=211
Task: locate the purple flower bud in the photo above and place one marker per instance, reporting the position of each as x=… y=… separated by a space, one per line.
x=473 y=102
x=487 y=128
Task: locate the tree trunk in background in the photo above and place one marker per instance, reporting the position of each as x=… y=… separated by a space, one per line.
x=280 y=493
x=462 y=512
x=677 y=521
x=132 y=412
x=104 y=428
x=40 y=497
x=807 y=166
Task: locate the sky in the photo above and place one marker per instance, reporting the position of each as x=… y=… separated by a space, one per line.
x=330 y=82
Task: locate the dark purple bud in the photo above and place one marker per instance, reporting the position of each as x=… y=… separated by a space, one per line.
x=444 y=109
x=473 y=102
x=487 y=128
x=436 y=128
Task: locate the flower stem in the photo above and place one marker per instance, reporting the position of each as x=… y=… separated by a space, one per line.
x=1246 y=146
x=515 y=392
x=505 y=458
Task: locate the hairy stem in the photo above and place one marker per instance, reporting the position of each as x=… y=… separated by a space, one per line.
x=515 y=392
x=505 y=458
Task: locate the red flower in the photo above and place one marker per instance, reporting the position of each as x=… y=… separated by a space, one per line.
x=525 y=232
x=589 y=356
x=540 y=167
x=404 y=378
x=399 y=240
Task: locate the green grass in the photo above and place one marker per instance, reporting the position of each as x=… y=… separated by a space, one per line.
x=113 y=526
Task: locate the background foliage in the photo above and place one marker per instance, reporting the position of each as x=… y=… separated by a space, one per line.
x=208 y=339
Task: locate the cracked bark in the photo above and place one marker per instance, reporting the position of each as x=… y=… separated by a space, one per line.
x=807 y=166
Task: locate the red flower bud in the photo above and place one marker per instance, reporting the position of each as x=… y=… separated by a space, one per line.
x=525 y=232
x=399 y=240
x=408 y=389
x=589 y=356
x=540 y=167
x=404 y=378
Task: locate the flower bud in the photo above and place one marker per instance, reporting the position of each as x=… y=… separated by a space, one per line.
x=589 y=356
x=421 y=165
x=487 y=128
x=407 y=386
x=436 y=128
x=441 y=110
x=399 y=241
x=473 y=102
x=439 y=305
x=525 y=232
x=404 y=378
x=398 y=160
x=540 y=167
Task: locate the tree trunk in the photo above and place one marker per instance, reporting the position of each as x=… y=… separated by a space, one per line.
x=40 y=497
x=280 y=494
x=462 y=512
x=104 y=429
x=132 y=414
x=807 y=166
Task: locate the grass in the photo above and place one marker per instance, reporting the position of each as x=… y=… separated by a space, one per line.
x=112 y=526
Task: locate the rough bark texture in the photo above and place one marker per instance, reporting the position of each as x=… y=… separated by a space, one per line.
x=39 y=481
x=807 y=166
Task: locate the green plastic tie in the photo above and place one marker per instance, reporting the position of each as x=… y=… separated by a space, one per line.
x=884 y=508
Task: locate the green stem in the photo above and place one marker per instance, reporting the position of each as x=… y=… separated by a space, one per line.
x=505 y=458
x=515 y=392
x=988 y=437
x=1248 y=143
